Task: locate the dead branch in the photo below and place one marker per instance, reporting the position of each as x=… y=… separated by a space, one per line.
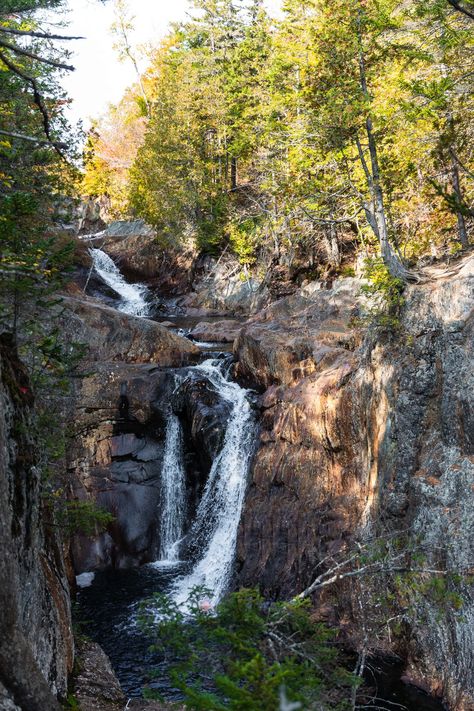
x=369 y=569
x=37 y=96
x=460 y=8
x=36 y=57
x=31 y=139
x=40 y=35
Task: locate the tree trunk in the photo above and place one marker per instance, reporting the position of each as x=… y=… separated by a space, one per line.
x=390 y=258
x=462 y=231
x=332 y=246
x=233 y=173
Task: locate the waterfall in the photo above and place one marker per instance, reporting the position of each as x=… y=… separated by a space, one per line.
x=133 y=296
x=173 y=493
x=218 y=515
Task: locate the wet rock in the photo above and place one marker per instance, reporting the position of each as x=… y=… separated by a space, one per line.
x=204 y=414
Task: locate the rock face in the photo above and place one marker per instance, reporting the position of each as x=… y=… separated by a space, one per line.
x=115 y=461
x=36 y=645
x=306 y=491
x=117 y=435
x=223 y=286
x=360 y=429
x=96 y=688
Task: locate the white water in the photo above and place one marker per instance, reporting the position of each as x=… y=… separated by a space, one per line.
x=173 y=494
x=218 y=514
x=133 y=296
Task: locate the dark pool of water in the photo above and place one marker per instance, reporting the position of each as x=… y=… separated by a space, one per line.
x=107 y=611
x=383 y=677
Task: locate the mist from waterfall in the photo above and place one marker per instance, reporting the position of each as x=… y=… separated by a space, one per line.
x=173 y=493
x=132 y=296
x=218 y=514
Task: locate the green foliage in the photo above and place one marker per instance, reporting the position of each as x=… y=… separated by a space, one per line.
x=72 y=703
x=244 y=238
x=36 y=255
x=242 y=654
x=80 y=516
x=385 y=293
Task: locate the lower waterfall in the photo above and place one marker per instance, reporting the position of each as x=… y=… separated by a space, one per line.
x=133 y=296
x=218 y=514
x=173 y=493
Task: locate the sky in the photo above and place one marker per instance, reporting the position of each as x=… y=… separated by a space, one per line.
x=100 y=77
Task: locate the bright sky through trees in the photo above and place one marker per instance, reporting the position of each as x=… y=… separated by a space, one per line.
x=100 y=78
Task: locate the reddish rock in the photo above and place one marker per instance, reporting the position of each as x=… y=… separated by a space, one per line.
x=367 y=428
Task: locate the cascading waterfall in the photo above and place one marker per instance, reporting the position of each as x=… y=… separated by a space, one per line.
x=133 y=296
x=218 y=515
x=173 y=494
x=217 y=518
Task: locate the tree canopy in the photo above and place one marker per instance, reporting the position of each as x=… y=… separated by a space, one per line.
x=341 y=123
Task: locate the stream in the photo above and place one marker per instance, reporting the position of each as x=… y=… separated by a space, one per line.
x=109 y=600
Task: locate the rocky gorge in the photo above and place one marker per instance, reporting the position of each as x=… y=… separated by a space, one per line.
x=354 y=430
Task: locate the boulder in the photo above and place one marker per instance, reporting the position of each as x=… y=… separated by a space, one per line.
x=298 y=335
x=114 y=336
x=96 y=688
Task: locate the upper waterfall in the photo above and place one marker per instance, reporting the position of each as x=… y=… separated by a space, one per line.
x=133 y=296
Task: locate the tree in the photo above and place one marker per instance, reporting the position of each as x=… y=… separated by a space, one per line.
x=440 y=91
x=121 y=29
x=291 y=142
x=248 y=653
x=32 y=167
x=353 y=49
x=110 y=151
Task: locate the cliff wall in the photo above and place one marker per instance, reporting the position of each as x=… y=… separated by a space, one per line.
x=36 y=645
x=363 y=430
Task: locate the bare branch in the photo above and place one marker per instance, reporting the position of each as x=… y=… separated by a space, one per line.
x=370 y=569
x=38 y=99
x=40 y=35
x=32 y=139
x=36 y=57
